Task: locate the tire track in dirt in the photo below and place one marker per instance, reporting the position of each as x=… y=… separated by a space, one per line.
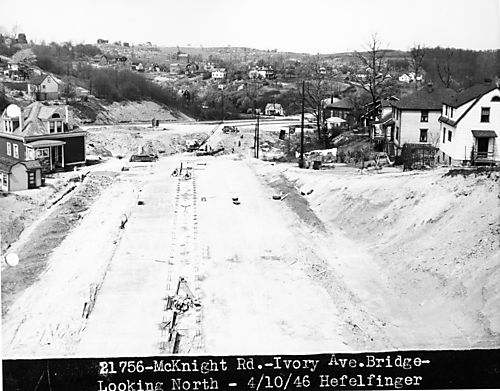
x=180 y=328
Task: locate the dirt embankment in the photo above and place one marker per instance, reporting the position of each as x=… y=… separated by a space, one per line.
x=95 y=111
x=19 y=210
x=51 y=231
x=435 y=235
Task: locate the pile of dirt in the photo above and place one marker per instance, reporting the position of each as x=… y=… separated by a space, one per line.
x=437 y=236
x=49 y=234
x=128 y=140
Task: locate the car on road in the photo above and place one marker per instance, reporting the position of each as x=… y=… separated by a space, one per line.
x=230 y=129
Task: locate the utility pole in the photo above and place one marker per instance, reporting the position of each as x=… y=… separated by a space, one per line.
x=257 y=141
x=301 y=159
x=221 y=88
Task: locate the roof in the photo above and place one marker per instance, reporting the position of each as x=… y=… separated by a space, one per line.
x=424 y=99
x=45 y=143
x=274 y=105
x=6 y=163
x=31 y=164
x=484 y=133
x=469 y=94
x=340 y=104
x=39 y=79
x=34 y=118
x=385 y=119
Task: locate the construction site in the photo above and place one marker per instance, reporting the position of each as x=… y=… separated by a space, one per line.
x=178 y=240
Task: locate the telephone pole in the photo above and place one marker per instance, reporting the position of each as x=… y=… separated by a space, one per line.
x=301 y=159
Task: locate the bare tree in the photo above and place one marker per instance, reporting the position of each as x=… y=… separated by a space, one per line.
x=374 y=70
x=444 y=71
x=316 y=90
x=417 y=54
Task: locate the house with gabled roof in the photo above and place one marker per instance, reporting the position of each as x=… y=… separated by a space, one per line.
x=45 y=87
x=470 y=126
x=416 y=117
x=44 y=133
x=338 y=108
x=274 y=109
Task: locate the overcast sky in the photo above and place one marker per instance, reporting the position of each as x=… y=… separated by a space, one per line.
x=309 y=26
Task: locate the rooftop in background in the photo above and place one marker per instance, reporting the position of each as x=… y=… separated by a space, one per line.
x=429 y=98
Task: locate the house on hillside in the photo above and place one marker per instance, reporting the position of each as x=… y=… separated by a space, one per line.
x=17 y=71
x=274 y=109
x=338 y=108
x=416 y=117
x=219 y=73
x=43 y=133
x=470 y=127
x=175 y=69
x=45 y=87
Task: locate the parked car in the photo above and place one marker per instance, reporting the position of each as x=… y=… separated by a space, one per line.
x=144 y=158
x=230 y=129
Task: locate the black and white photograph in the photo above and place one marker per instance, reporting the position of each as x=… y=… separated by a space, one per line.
x=232 y=179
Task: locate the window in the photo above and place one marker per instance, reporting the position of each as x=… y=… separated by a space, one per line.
x=9 y=149
x=444 y=135
x=29 y=153
x=485 y=114
x=16 y=151
x=5 y=179
x=423 y=135
x=52 y=127
x=451 y=112
x=449 y=135
x=495 y=99
x=397 y=132
x=41 y=153
x=446 y=110
x=424 y=116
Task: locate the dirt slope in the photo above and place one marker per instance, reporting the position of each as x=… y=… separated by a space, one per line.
x=435 y=235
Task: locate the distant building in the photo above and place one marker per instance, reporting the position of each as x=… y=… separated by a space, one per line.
x=21 y=38
x=45 y=87
x=219 y=73
x=274 y=109
x=102 y=41
x=175 y=69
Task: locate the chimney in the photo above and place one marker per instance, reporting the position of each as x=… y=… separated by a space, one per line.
x=21 y=120
x=67 y=115
x=430 y=87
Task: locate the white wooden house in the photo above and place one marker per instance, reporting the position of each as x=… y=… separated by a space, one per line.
x=470 y=127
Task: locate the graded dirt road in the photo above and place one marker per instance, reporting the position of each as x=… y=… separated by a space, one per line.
x=267 y=279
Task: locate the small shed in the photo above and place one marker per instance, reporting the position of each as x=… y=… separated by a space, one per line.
x=19 y=175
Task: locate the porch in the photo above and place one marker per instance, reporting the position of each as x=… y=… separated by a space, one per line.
x=50 y=154
x=483 y=151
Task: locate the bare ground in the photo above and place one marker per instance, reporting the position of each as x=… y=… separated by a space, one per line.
x=363 y=262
